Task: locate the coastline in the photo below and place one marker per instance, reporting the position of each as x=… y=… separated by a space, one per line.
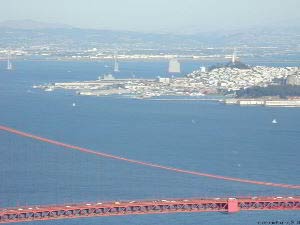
x=183 y=59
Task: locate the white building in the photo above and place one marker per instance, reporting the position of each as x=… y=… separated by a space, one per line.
x=174 y=66
x=164 y=80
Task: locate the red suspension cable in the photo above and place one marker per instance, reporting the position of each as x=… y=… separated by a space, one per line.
x=102 y=154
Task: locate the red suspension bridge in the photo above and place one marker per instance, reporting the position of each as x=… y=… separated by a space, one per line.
x=231 y=205
x=22 y=214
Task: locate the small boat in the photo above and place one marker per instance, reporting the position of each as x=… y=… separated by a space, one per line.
x=274 y=121
x=74 y=104
x=49 y=89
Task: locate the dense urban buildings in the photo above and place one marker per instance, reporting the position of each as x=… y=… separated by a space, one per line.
x=219 y=79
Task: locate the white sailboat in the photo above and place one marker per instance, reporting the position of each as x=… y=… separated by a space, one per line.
x=274 y=121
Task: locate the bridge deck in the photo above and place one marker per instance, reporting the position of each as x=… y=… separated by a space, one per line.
x=68 y=211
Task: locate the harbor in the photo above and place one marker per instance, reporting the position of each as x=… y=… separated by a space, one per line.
x=264 y=102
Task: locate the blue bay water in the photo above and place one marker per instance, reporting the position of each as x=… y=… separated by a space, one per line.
x=202 y=136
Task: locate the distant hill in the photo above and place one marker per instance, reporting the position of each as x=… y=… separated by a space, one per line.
x=31 y=25
x=237 y=65
x=250 y=43
x=232 y=65
x=27 y=33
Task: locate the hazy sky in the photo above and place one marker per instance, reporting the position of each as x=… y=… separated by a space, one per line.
x=155 y=15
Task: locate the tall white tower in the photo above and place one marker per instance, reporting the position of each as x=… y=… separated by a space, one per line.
x=233 y=60
x=116 y=65
x=9 y=64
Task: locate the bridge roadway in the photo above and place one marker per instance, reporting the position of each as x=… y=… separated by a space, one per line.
x=83 y=210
